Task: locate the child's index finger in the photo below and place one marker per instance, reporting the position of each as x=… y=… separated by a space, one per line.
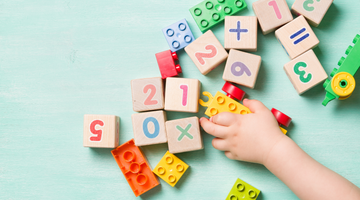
x=212 y=128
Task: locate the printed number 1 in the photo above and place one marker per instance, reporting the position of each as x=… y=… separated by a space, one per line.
x=276 y=8
x=185 y=94
x=98 y=133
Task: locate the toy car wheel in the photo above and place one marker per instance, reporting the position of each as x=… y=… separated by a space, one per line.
x=343 y=84
x=281 y=117
x=233 y=92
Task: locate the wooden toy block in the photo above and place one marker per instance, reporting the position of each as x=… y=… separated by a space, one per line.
x=184 y=135
x=170 y=168
x=149 y=128
x=241 y=32
x=243 y=190
x=305 y=71
x=297 y=37
x=206 y=52
x=135 y=167
x=147 y=94
x=313 y=11
x=101 y=131
x=242 y=68
x=272 y=14
x=182 y=94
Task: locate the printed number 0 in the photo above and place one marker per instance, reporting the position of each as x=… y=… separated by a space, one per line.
x=307 y=3
x=149 y=101
x=185 y=94
x=302 y=73
x=276 y=8
x=146 y=130
x=200 y=56
x=98 y=133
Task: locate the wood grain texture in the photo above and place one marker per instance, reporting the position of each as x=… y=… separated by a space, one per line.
x=62 y=59
x=147 y=94
x=314 y=12
x=247 y=38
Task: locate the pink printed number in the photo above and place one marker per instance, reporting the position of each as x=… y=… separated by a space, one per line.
x=185 y=94
x=149 y=101
x=200 y=55
x=276 y=8
x=98 y=133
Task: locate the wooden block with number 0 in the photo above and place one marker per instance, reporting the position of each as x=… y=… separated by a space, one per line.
x=271 y=14
x=206 y=52
x=305 y=72
x=101 y=131
x=182 y=94
x=313 y=10
x=147 y=94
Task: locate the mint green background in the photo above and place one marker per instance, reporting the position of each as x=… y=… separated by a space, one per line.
x=61 y=59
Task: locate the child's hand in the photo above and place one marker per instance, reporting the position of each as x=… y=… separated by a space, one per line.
x=247 y=137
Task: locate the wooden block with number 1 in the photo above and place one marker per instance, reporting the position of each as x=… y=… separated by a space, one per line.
x=147 y=94
x=313 y=10
x=241 y=32
x=206 y=52
x=101 y=131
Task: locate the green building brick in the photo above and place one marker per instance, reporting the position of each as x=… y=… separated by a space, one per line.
x=211 y=12
x=243 y=191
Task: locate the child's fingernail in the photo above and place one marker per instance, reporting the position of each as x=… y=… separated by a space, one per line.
x=211 y=119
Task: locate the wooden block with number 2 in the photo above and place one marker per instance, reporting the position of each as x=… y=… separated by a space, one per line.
x=206 y=52
x=147 y=94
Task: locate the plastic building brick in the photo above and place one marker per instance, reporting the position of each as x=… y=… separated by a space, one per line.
x=135 y=167
x=211 y=12
x=243 y=190
x=166 y=61
x=170 y=168
x=342 y=83
x=282 y=119
x=178 y=35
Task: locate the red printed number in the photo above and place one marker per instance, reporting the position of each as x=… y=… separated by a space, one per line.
x=98 y=133
x=149 y=101
x=200 y=56
x=185 y=94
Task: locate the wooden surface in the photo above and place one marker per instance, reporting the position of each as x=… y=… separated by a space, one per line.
x=62 y=59
x=247 y=38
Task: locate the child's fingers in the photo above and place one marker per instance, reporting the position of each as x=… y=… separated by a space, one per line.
x=220 y=144
x=254 y=105
x=213 y=129
x=230 y=155
x=224 y=118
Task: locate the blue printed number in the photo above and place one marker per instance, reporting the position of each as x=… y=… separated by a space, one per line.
x=302 y=73
x=146 y=130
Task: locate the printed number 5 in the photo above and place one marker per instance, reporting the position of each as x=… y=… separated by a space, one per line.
x=98 y=133
x=302 y=73
x=307 y=3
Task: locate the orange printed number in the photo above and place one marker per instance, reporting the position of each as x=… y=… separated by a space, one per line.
x=98 y=133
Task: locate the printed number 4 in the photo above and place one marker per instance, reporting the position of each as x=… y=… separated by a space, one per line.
x=307 y=3
x=302 y=73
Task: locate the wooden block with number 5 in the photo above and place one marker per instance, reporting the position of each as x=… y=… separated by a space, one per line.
x=149 y=128
x=101 y=131
x=147 y=94
x=182 y=94
x=242 y=68
x=313 y=10
x=206 y=52
x=305 y=71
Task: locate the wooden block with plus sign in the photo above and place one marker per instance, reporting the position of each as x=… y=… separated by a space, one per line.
x=241 y=32
x=149 y=128
x=184 y=135
x=147 y=94
x=242 y=68
x=182 y=95
x=101 y=131
x=206 y=52
x=305 y=71
x=297 y=37
x=313 y=10
x=272 y=14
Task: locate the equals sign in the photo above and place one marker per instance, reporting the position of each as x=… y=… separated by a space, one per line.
x=293 y=36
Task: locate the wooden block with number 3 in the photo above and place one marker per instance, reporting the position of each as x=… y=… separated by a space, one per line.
x=184 y=135
x=206 y=52
x=271 y=14
x=242 y=68
x=182 y=95
x=147 y=94
x=305 y=72
x=313 y=10
x=101 y=131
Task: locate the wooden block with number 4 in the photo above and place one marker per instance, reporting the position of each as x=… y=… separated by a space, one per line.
x=149 y=128
x=313 y=10
x=182 y=95
x=101 y=131
x=242 y=68
x=184 y=135
x=305 y=72
x=241 y=32
x=147 y=94
x=206 y=52
x=272 y=14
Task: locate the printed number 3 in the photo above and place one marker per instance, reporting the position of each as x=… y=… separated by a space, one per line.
x=307 y=3
x=302 y=73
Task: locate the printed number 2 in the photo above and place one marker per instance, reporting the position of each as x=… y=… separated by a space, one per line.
x=302 y=73
x=307 y=3
x=276 y=8
x=200 y=55
x=98 y=133
x=184 y=88
x=149 y=101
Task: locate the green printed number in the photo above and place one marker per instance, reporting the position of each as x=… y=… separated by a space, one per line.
x=307 y=3
x=302 y=73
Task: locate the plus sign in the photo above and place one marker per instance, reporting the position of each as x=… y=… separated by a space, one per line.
x=238 y=30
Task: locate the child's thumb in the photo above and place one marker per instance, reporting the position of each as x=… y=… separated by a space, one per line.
x=254 y=105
